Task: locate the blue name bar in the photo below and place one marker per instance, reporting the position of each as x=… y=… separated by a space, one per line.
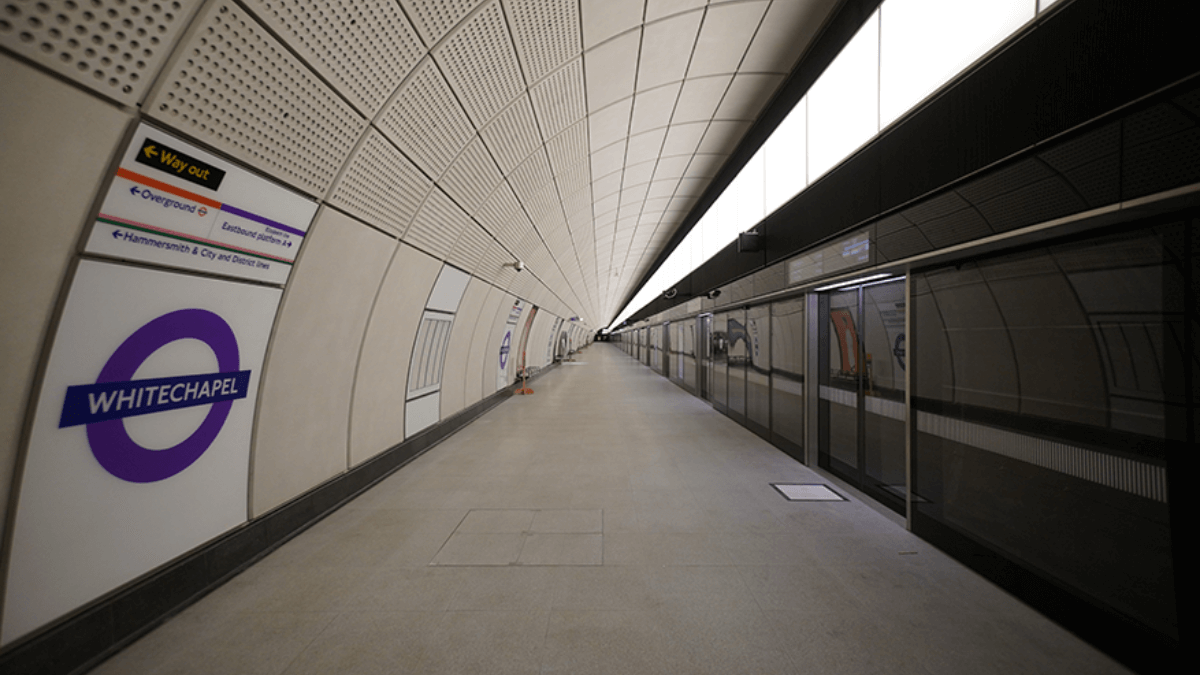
x=89 y=403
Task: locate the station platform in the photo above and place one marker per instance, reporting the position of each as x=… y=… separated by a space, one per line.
x=608 y=523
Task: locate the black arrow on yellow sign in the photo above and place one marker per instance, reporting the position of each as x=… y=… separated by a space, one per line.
x=161 y=157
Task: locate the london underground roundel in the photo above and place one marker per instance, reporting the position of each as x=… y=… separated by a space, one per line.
x=104 y=405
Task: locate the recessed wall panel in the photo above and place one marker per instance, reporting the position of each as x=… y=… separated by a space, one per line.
x=304 y=416
x=377 y=419
x=454 y=373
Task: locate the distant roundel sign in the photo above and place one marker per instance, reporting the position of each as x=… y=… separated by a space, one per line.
x=505 y=348
x=103 y=405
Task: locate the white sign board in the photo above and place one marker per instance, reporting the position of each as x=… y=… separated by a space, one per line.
x=506 y=344
x=141 y=438
x=174 y=204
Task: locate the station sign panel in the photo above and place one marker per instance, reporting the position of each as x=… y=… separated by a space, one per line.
x=140 y=446
x=174 y=204
x=837 y=257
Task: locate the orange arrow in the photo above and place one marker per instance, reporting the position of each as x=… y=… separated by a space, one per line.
x=150 y=151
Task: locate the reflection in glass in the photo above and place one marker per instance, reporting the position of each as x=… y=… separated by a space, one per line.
x=720 y=360
x=738 y=356
x=758 y=367
x=1055 y=456
x=883 y=401
x=787 y=356
x=840 y=376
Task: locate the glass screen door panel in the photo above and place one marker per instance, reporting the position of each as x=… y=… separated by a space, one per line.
x=758 y=368
x=838 y=386
x=688 y=361
x=736 y=359
x=883 y=310
x=704 y=355
x=788 y=358
x=861 y=388
x=720 y=360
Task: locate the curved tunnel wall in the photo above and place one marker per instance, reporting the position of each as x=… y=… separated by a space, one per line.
x=332 y=388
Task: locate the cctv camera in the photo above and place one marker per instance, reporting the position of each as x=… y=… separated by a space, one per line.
x=520 y=265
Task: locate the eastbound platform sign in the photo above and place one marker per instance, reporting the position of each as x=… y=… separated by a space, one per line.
x=174 y=204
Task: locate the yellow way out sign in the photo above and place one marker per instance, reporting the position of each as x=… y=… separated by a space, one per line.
x=157 y=155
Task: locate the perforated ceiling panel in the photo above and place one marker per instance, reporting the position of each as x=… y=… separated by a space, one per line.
x=480 y=63
x=472 y=177
x=437 y=225
x=513 y=135
x=114 y=47
x=381 y=186
x=492 y=263
x=559 y=100
x=425 y=120
x=235 y=87
x=364 y=48
x=529 y=178
x=472 y=244
x=435 y=18
x=568 y=148
x=547 y=33
x=499 y=208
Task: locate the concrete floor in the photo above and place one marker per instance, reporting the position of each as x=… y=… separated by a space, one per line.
x=610 y=523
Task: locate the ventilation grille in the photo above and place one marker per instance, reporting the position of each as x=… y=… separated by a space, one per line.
x=951 y=229
x=472 y=177
x=1036 y=203
x=480 y=64
x=435 y=18
x=1004 y=181
x=236 y=88
x=364 y=48
x=559 y=99
x=113 y=47
x=381 y=186
x=437 y=225
x=429 y=352
x=547 y=34
x=472 y=244
x=513 y=135
x=426 y=121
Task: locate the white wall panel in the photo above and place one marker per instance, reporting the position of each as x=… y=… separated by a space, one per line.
x=454 y=373
x=448 y=290
x=421 y=413
x=481 y=369
x=497 y=370
x=49 y=120
x=305 y=401
x=377 y=419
